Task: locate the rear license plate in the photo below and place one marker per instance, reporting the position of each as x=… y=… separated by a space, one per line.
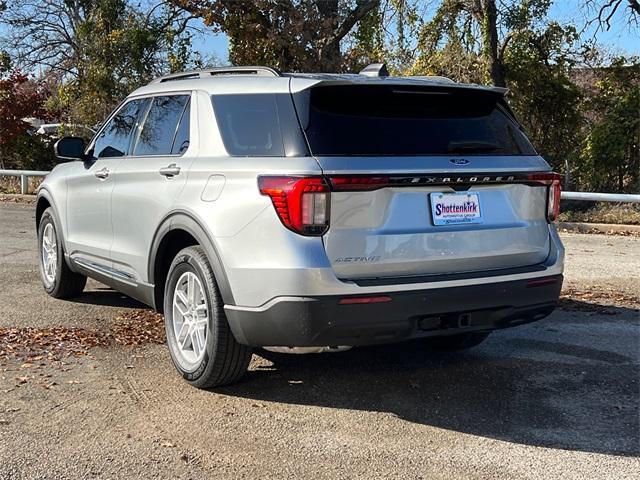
x=455 y=208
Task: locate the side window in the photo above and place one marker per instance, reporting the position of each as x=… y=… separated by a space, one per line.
x=113 y=140
x=249 y=124
x=159 y=130
x=181 y=142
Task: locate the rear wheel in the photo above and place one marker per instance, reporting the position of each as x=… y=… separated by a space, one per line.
x=202 y=346
x=57 y=278
x=463 y=341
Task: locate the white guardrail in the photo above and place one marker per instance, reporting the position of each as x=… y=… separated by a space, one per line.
x=588 y=196
x=601 y=197
x=24 y=177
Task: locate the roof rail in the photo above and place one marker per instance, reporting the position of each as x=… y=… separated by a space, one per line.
x=435 y=78
x=209 y=72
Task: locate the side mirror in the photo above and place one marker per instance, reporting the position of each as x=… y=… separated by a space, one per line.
x=70 y=148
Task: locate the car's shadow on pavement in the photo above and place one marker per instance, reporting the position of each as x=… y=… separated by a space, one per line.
x=551 y=388
x=106 y=296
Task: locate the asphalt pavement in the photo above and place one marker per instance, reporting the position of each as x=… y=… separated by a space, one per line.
x=556 y=399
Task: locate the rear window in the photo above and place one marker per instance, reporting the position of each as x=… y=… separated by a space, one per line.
x=401 y=120
x=249 y=124
x=259 y=125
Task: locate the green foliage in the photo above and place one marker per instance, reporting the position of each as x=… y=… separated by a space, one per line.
x=5 y=62
x=28 y=152
x=538 y=66
x=119 y=48
x=611 y=151
x=368 y=43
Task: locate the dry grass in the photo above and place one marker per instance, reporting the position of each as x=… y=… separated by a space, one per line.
x=620 y=213
x=12 y=184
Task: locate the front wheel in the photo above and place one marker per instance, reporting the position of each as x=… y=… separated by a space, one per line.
x=57 y=278
x=202 y=346
x=462 y=341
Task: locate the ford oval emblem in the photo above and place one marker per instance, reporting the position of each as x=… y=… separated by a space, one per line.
x=459 y=161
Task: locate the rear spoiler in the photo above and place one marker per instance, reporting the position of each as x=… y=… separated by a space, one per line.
x=301 y=82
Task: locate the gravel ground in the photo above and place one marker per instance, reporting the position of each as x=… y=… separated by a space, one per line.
x=557 y=399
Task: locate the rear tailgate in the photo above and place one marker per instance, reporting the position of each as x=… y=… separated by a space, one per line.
x=393 y=230
x=425 y=180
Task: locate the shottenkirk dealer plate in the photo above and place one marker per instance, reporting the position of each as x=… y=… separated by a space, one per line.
x=455 y=208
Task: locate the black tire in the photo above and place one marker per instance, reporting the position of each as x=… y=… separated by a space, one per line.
x=452 y=343
x=66 y=284
x=225 y=361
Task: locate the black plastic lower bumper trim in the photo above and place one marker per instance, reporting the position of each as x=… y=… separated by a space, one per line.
x=322 y=321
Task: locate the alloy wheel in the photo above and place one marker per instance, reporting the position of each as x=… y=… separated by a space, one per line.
x=49 y=253
x=190 y=319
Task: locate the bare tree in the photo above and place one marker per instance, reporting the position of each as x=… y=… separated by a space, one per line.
x=52 y=34
x=606 y=10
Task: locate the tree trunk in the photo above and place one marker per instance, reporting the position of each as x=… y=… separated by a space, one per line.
x=329 y=56
x=490 y=42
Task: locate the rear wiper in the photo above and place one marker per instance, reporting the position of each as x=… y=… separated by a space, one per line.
x=473 y=146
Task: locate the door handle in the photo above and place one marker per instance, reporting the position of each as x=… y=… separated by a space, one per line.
x=170 y=170
x=102 y=173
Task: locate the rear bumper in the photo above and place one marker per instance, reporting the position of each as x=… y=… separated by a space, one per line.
x=322 y=320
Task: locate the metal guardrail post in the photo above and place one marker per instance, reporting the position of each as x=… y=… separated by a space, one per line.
x=24 y=184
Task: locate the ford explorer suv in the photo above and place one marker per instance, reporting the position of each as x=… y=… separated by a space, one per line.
x=306 y=212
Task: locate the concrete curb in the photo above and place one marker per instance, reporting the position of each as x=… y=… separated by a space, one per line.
x=580 y=227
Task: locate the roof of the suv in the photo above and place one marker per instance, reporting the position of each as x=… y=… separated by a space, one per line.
x=250 y=79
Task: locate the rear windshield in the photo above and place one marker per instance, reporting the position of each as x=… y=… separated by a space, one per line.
x=400 y=120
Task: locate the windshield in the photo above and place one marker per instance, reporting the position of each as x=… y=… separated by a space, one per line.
x=405 y=120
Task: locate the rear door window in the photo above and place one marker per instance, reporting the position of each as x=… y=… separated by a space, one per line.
x=181 y=142
x=113 y=140
x=162 y=126
x=388 y=120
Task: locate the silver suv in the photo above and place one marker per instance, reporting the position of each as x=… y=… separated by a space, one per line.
x=306 y=212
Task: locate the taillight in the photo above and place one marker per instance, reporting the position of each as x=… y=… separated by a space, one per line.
x=302 y=203
x=360 y=183
x=553 y=202
x=553 y=181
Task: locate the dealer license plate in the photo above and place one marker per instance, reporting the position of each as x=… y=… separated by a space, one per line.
x=455 y=208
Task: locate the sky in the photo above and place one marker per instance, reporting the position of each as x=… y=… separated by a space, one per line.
x=620 y=39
